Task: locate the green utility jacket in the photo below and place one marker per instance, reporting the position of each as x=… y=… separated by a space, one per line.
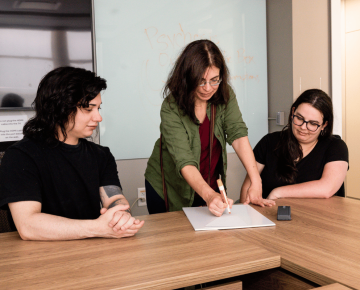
x=182 y=146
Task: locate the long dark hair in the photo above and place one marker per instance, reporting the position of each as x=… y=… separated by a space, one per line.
x=288 y=149
x=188 y=71
x=59 y=94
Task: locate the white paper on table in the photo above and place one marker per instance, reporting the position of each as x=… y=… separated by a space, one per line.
x=242 y=216
x=227 y=220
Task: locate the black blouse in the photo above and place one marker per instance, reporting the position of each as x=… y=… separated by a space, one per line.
x=309 y=168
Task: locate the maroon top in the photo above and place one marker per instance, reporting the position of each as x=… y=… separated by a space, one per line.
x=204 y=131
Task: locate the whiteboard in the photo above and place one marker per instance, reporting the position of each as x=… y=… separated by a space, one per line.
x=137 y=43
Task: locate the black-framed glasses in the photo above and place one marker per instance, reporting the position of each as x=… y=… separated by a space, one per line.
x=310 y=125
x=211 y=83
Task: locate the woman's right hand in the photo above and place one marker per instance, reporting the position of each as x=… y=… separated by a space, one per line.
x=116 y=223
x=216 y=204
x=254 y=196
x=214 y=200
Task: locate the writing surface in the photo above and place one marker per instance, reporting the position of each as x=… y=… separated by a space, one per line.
x=137 y=43
x=242 y=216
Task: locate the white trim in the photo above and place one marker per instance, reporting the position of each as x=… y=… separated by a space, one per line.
x=336 y=89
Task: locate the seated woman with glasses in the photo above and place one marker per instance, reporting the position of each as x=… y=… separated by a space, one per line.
x=198 y=116
x=304 y=160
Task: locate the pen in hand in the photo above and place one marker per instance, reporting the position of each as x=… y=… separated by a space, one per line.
x=222 y=191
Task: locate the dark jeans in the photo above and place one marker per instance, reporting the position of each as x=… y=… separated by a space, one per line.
x=155 y=204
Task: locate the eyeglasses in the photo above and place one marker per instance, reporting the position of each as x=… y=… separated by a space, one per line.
x=211 y=83
x=310 y=125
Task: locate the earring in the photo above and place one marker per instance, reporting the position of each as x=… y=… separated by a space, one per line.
x=322 y=133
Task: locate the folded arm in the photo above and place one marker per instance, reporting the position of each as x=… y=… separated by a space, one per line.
x=331 y=180
x=111 y=196
x=32 y=224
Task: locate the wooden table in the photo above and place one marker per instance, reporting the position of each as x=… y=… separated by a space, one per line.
x=321 y=244
x=166 y=254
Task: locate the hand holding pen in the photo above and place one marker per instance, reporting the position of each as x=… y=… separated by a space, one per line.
x=223 y=193
x=216 y=203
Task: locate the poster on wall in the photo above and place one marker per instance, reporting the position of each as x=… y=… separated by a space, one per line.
x=11 y=127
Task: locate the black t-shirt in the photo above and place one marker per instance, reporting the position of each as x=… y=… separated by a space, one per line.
x=65 y=179
x=309 y=168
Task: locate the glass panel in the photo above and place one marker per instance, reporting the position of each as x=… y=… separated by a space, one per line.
x=137 y=43
x=37 y=37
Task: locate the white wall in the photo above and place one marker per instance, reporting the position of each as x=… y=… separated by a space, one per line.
x=352 y=88
x=337 y=35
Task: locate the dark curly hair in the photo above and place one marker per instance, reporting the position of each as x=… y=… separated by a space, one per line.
x=288 y=149
x=59 y=94
x=188 y=71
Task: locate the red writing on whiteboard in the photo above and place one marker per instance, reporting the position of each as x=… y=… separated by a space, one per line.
x=179 y=39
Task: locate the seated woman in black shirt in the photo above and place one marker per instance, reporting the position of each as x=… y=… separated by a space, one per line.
x=304 y=160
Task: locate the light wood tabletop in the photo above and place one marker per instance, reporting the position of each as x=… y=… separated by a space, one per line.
x=321 y=243
x=166 y=254
x=335 y=286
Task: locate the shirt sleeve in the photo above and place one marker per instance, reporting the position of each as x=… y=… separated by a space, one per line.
x=19 y=178
x=176 y=137
x=235 y=127
x=337 y=151
x=109 y=174
x=260 y=150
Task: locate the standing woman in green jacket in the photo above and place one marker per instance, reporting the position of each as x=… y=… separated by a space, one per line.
x=198 y=89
